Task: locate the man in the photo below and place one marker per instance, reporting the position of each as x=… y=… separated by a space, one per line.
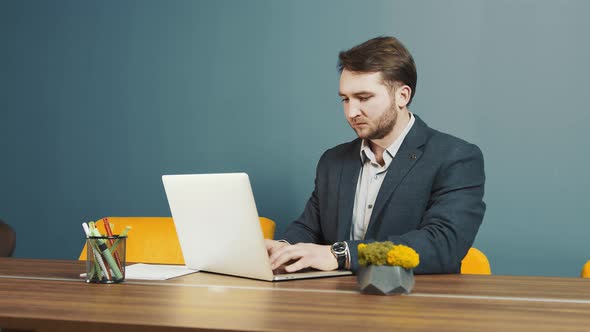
x=399 y=180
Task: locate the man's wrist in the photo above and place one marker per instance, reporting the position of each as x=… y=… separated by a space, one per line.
x=347 y=261
x=340 y=252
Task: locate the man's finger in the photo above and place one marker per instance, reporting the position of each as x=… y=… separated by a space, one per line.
x=298 y=265
x=285 y=254
x=269 y=244
x=280 y=257
x=278 y=251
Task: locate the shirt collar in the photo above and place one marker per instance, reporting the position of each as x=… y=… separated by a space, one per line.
x=367 y=153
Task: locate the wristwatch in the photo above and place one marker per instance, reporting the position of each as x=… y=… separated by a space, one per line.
x=339 y=250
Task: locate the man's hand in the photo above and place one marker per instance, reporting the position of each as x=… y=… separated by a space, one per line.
x=272 y=246
x=300 y=256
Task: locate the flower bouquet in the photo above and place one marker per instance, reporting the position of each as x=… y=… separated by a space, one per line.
x=386 y=268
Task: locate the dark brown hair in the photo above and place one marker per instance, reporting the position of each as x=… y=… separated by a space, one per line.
x=386 y=55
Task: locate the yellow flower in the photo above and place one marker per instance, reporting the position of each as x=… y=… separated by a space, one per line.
x=386 y=253
x=374 y=253
x=404 y=256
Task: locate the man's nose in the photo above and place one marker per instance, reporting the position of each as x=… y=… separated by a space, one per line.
x=353 y=110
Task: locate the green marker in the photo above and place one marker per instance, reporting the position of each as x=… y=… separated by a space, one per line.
x=117 y=241
x=106 y=253
x=98 y=266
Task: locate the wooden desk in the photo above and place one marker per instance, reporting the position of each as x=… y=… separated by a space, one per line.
x=47 y=295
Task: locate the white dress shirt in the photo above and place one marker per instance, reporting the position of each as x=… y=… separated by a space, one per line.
x=370 y=179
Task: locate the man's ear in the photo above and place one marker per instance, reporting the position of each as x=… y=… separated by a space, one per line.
x=403 y=95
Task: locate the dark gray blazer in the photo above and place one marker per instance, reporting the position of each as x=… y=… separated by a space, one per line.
x=430 y=199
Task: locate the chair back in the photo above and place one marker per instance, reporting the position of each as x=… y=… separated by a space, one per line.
x=268 y=228
x=154 y=239
x=585 y=270
x=475 y=262
x=7 y=240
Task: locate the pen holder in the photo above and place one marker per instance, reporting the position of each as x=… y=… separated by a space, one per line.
x=105 y=261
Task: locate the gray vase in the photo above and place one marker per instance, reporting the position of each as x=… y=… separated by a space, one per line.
x=385 y=279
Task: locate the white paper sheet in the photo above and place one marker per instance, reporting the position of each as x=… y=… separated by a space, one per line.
x=142 y=271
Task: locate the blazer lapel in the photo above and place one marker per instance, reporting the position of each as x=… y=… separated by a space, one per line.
x=351 y=168
x=406 y=157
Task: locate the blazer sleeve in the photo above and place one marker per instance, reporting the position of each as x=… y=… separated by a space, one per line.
x=307 y=227
x=452 y=218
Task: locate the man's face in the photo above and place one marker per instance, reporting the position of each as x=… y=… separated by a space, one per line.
x=368 y=104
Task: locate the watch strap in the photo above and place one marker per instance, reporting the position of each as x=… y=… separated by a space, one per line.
x=340 y=252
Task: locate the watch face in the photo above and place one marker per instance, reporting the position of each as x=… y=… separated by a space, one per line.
x=339 y=248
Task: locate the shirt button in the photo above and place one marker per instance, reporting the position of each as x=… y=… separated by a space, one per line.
x=376 y=176
x=370 y=206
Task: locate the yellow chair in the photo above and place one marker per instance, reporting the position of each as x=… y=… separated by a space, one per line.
x=475 y=262
x=585 y=270
x=154 y=239
x=268 y=228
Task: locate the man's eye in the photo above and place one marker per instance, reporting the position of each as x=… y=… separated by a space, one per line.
x=344 y=100
x=364 y=98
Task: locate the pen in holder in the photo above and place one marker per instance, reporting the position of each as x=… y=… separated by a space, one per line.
x=105 y=261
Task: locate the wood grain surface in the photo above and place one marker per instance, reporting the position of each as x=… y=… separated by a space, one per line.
x=48 y=295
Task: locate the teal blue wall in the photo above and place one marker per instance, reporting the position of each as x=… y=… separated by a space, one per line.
x=98 y=99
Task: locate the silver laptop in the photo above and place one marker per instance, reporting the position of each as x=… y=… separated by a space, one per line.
x=218 y=227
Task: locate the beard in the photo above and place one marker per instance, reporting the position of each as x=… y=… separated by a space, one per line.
x=383 y=125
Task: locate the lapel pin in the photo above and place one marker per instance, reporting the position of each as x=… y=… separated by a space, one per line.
x=413 y=156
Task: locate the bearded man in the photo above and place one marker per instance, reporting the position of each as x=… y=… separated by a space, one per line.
x=399 y=181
